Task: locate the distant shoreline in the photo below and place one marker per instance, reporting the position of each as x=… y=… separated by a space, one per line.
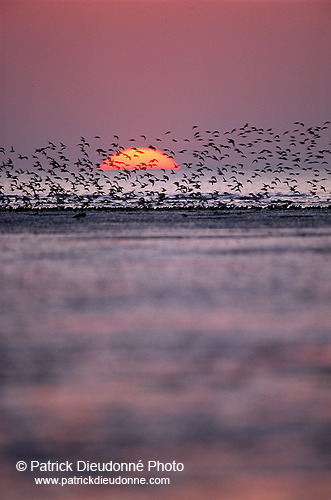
x=154 y=209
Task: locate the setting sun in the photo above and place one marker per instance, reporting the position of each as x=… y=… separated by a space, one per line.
x=139 y=158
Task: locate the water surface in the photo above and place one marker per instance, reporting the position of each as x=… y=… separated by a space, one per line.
x=196 y=336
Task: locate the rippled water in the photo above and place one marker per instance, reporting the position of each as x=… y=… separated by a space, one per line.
x=196 y=336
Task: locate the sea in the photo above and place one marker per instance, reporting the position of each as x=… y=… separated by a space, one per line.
x=188 y=344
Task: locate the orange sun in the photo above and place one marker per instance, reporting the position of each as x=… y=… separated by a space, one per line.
x=139 y=158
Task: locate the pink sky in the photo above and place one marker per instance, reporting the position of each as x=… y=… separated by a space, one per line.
x=87 y=67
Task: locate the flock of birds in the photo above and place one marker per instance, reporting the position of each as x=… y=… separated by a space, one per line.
x=247 y=165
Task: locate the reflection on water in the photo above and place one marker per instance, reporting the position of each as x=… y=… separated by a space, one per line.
x=199 y=337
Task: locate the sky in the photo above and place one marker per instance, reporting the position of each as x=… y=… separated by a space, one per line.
x=74 y=68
